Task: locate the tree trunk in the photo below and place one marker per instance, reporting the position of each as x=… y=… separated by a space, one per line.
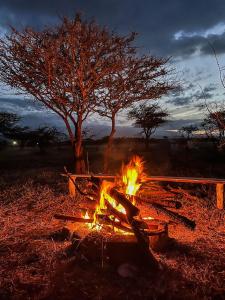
x=108 y=149
x=78 y=149
x=147 y=143
x=148 y=134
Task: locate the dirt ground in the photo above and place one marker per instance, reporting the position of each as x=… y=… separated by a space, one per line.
x=34 y=265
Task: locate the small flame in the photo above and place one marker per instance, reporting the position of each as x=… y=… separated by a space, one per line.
x=86 y=216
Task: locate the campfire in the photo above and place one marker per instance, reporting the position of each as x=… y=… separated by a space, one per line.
x=117 y=209
x=117 y=199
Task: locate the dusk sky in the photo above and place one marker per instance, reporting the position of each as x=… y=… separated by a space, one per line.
x=182 y=29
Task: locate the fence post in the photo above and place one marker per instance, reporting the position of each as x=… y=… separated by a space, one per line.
x=72 y=189
x=219 y=195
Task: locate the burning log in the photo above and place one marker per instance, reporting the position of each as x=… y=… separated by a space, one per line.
x=113 y=211
x=131 y=209
x=175 y=216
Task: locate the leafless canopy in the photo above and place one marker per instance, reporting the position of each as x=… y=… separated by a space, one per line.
x=64 y=67
x=140 y=78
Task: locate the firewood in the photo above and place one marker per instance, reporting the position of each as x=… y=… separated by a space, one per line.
x=131 y=210
x=141 y=236
x=172 y=215
x=169 y=203
x=166 y=203
x=143 y=243
x=122 y=217
x=102 y=219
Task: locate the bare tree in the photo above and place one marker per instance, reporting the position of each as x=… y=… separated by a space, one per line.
x=140 y=78
x=65 y=67
x=214 y=124
x=148 y=117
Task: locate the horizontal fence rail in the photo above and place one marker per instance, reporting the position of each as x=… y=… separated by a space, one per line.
x=218 y=182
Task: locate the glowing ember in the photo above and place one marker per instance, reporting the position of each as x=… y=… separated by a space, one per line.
x=147 y=218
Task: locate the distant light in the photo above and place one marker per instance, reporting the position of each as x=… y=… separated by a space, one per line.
x=37 y=143
x=14 y=143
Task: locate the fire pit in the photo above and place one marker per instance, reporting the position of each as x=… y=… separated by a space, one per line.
x=118 y=217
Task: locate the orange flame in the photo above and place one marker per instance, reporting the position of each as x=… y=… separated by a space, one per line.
x=132 y=175
x=104 y=196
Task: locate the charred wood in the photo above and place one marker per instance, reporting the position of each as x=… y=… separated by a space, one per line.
x=131 y=210
x=143 y=242
x=174 y=216
x=166 y=203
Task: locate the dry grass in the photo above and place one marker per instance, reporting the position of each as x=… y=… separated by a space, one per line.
x=33 y=266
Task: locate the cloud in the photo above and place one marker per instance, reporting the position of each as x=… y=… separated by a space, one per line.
x=180 y=101
x=177 y=124
x=210 y=88
x=191 y=95
x=157 y=21
x=19 y=105
x=198 y=44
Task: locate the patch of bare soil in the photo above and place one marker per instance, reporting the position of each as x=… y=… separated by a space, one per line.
x=34 y=264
